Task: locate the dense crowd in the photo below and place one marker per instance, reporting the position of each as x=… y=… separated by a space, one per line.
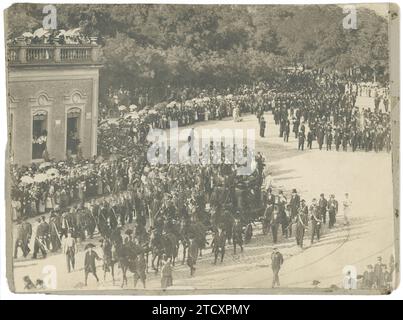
x=168 y=204
x=325 y=110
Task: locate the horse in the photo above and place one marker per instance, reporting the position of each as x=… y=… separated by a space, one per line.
x=130 y=258
x=109 y=258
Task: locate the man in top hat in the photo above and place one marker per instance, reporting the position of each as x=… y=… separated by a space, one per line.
x=294 y=203
x=276 y=262
x=332 y=207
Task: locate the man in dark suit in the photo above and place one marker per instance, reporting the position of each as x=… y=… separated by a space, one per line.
x=316 y=220
x=89 y=262
x=218 y=244
x=301 y=140
x=302 y=223
x=40 y=239
x=323 y=207
x=274 y=223
x=294 y=203
x=332 y=207
x=237 y=235
x=276 y=262
x=262 y=125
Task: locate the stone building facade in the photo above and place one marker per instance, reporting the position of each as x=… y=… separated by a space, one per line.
x=52 y=102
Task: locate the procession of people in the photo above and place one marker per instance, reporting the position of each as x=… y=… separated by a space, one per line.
x=147 y=214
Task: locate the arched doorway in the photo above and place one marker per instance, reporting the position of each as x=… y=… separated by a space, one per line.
x=73 y=131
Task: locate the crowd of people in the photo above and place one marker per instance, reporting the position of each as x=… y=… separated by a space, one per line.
x=325 y=111
x=158 y=207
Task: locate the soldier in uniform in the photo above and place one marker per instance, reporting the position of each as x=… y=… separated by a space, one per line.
x=329 y=138
x=262 y=126
x=323 y=207
x=320 y=136
x=218 y=244
x=309 y=139
x=20 y=240
x=302 y=223
x=40 y=240
x=275 y=223
x=276 y=262
x=286 y=130
x=316 y=220
x=54 y=233
x=301 y=140
x=237 y=235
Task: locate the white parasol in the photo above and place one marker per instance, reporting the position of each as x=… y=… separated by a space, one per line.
x=41 y=177
x=27 y=35
x=133 y=107
x=45 y=165
x=40 y=32
x=122 y=108
x=52 y=173
x=27 y=180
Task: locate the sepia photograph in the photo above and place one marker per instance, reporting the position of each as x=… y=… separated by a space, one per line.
x=187 y=149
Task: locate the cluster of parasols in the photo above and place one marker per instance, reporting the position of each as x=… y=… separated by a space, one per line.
x=46 y=172
x=47 y=36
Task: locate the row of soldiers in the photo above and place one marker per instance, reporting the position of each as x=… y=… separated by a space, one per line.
x=81 y=221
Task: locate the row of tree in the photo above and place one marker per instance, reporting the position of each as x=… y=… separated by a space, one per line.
x=196 y=45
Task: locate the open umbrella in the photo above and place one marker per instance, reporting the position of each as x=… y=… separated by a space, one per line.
x=45 y=165
x=89 y=245
x=133 y=107
x=27 y=35
x=27 y=180
x=230 y=96
x=122 y=108
x=171 y=104
x=52 y=173
x=206 y=99
x=40 y=32
x=41 y=177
